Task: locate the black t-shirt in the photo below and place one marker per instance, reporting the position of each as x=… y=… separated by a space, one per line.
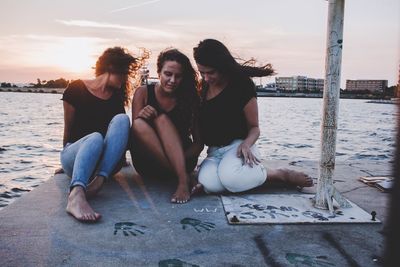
x=182 y=125
x=92 y=114
x=222 y=119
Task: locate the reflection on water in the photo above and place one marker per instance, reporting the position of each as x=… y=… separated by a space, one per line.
x=290 y=129
x=30 y=141
x=31 y=128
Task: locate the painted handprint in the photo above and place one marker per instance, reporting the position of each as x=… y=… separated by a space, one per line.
x=128 y=228
x=175 y=263
x=197 y=224
x=300 y=260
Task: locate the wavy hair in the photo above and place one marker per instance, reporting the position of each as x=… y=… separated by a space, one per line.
x=212 y=53
x=187 y=91
x=118 y=60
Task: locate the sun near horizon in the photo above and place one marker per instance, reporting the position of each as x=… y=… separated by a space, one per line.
x=55 y=39
x=76 y=56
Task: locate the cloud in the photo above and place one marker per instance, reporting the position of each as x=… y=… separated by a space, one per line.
x=48 y=50
x=136 y=5
x=137 y=30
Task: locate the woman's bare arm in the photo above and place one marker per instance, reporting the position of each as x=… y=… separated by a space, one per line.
x=69 y=116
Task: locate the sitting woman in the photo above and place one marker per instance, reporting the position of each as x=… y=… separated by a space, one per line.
x=165 y=142
x=228 y=124
x=96 y=128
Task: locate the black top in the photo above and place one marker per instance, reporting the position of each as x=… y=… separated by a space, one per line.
x=174 y=115
x=92 y=114
x=222 y=119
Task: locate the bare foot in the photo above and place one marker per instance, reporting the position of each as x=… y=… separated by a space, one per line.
x=297 y=178
x=58 y=171
x=181 y=195
x=195 y=186
x=79 y=207
x=94 y=186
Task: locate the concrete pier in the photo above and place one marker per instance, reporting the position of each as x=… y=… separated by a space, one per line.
x=140 y=227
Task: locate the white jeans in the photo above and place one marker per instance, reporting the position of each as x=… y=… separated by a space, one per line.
x=222 y=170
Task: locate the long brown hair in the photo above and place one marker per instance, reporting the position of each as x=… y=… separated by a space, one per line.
x=212 y=53
x=187 y=92
x=118 y=60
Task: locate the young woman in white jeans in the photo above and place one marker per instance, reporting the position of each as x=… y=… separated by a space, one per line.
x=228 y=124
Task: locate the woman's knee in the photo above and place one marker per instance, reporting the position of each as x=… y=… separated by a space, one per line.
x=163 y=122
x=122 y=120
x=140 y=126
x=236 y=177
x=208 y=177
x=95 y=137
x=95 y=141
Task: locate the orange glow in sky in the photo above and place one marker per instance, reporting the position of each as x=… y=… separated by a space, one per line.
x=50 y=39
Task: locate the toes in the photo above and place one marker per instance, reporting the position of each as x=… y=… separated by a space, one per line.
x=196 y=189
x=179 y=200
x=87 y=217
x=309 y=181
x=97 y=216
x=92 y=217
x=182 y=201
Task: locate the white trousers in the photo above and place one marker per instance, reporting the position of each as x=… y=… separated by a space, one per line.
x=223 y=170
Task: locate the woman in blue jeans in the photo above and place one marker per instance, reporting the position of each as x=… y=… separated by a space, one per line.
x=96 y=128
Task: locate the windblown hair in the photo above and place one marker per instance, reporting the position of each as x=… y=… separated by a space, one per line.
x=187 y=91
x=214 y=54
x=118 y=60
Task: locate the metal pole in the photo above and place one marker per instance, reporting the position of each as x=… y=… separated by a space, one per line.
x=325 y=189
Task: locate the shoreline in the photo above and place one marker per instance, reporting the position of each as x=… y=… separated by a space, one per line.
x=259 y=94
x=32 y=90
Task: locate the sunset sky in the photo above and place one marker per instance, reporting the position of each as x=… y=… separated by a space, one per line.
x=50 y=39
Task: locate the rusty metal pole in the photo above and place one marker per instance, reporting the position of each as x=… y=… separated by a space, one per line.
x=326 y=192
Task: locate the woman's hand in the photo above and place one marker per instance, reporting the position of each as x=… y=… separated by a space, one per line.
x=148 y=113
x=245 y=153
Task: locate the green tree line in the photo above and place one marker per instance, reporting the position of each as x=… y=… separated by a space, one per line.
x=7 y=85
x=59 y=83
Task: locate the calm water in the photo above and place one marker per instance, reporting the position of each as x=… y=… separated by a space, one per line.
x=31 y=127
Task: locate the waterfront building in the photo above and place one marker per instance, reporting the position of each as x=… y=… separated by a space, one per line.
x=299 y=83
x=366 y=85
x=269 y=87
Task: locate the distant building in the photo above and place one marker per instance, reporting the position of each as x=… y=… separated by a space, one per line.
x=269 y=87
x=299 y=83
x=366 y=85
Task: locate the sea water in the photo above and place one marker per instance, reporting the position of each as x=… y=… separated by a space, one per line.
x=31 y=129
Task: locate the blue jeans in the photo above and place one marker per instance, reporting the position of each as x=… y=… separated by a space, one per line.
x=95 y=155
